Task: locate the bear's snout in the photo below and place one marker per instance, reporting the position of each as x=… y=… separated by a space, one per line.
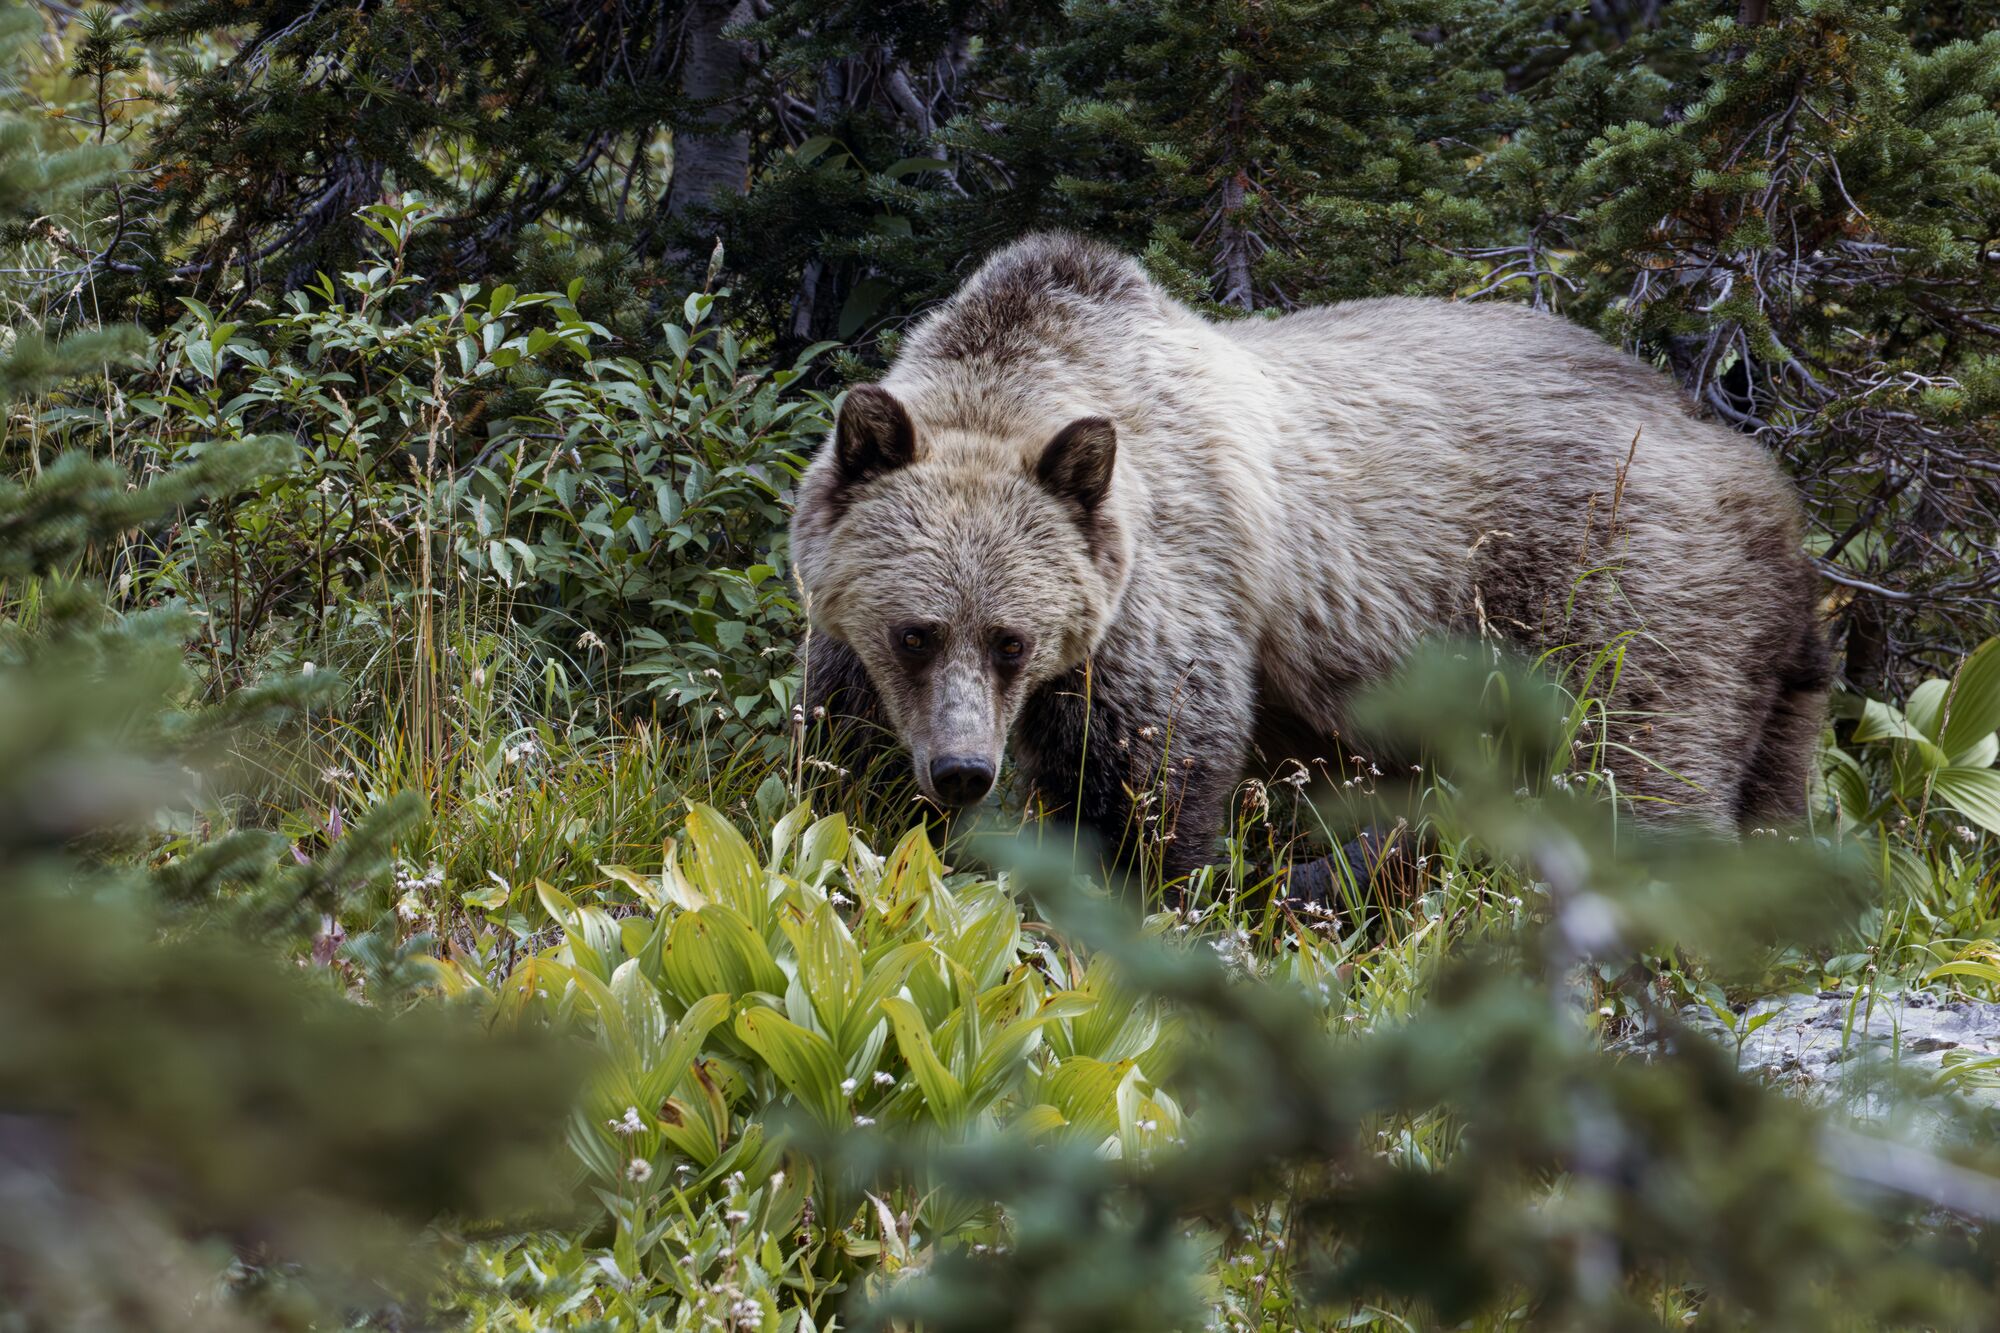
x=959 y=779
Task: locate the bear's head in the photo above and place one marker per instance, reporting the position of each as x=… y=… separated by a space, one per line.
x=965 y=572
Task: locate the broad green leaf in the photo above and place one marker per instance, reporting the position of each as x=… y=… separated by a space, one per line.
x=829 y=963
x=677 y=1053
x=590 y=933
x=942 y=1091
x=1923 y=707
x=1086 y=1092
x=885 y=975
x=714 y=951
x=1121 y=1025
x=639 y=1004
x=803 y=1061
x=1884 y=722
x=1972 y=792
x=912 y=872
x=1147 y=1117
x=1973 y=710
x=1004 y=1054
x=863 y=300
x=824 y=844
x=724 y=868
x=1846 y=781
x=784 y=833
x=985 y=945
x=1037 y=1120
x=675 y=886
x=1914 y=760
x=610 y=1015
x=1964 y=968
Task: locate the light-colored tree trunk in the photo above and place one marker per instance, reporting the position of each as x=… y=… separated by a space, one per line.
x=711 y=156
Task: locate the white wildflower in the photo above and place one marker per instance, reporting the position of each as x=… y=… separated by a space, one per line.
x=639 y=1170
x=629 y=1123
x=847 y=1086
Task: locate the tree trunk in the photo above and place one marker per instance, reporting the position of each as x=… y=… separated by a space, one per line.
x=1232 y=238
x=712 y=153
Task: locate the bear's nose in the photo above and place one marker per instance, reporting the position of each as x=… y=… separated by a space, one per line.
x=960 y=779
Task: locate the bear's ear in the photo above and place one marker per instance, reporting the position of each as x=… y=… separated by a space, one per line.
x=874 y=435
x=1076 y=464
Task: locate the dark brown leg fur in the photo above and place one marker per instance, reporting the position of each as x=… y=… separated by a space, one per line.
x=843 y=713
x=1774 y=783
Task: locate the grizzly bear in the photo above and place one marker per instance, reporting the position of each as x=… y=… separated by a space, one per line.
x=1153 y=548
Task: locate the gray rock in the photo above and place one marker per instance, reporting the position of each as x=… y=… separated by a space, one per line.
x=1869 y=1058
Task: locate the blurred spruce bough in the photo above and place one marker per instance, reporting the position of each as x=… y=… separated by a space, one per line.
x=193 y=1133
x=171 y=1094
x=1581 y=1189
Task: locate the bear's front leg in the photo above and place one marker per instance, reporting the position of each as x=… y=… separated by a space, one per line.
x=1146 y=760
x=840 y=705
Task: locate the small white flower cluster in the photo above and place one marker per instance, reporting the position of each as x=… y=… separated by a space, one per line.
x=628 y=1124
x=520 y=752
x=1235 y=952
x=409 y=881
x=638 y=1170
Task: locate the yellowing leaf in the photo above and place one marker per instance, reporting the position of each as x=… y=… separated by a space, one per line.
x=724 y=868
x=829 y=963
x=647 y=888
x=942 y=1091
x=803 y=1061
x=714 y=951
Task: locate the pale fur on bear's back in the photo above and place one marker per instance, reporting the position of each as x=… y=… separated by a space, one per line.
x=1303 y=497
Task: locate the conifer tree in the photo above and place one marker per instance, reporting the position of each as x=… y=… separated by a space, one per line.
x=1794 y=207
x=1286 y=152
x=38 y=187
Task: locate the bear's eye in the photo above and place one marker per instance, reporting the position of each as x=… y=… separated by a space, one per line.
x=913 y=639
x=1010 y=649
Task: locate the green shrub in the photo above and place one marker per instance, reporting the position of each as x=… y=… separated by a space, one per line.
x=471 y=461
x=740 y=999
